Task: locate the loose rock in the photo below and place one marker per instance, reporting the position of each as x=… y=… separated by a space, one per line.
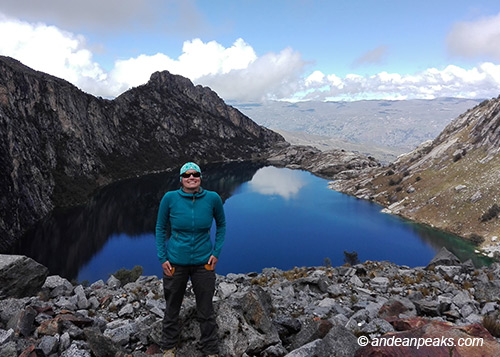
x=308 y=311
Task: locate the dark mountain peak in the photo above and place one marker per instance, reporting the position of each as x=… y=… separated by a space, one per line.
x=164 y=78
x=176 y=84
x=174 y=91
x=172 y=85
x=57 y=143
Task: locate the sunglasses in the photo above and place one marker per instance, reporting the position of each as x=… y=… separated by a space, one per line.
x=194 y=174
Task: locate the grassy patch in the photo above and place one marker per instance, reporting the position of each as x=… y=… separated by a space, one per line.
x=128 y=276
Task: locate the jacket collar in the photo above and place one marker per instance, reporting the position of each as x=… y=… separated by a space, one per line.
x=201 y=192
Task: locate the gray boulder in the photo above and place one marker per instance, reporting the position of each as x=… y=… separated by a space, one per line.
x=444 y=257
x=340 y=342
x=10 y=307
x=487 y=291
x=314 y=348
x=48 y=345
x=75 y=351
x=6 y=336
x=431 y=307
x=20 y=276
x=119 y=331
x=22 y=321
x=8 y=349
x=57 y=286
x=101 y=345
x=310 y=331
x=377 y=326
x=245 y=324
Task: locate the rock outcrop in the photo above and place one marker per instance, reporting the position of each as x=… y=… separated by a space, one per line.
x=20 y=276
x=450 y=183
x=57 y=143
x=317 y=311
x=330 y=164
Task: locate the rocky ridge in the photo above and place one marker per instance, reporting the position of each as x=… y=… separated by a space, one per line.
x=316 y=311
x=385 y=155
x=450 y=183
x=57 y=143
x=330 y=164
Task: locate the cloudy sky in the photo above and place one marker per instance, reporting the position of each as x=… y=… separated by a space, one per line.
x=256 y=50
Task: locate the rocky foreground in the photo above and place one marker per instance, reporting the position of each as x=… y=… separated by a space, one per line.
x=319 y=311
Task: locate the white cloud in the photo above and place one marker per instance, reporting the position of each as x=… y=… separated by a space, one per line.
x=271 y=76
x=482 y=81
x=133 y=72
x=210 y=61
x=479 y=38
x=48 y=49
x=315 y=77
x=201 y=59
x=235 y=72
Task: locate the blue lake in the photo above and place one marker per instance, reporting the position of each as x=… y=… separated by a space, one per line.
x=275 y=217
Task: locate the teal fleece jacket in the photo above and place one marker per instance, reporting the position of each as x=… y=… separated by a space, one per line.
x=184 y=222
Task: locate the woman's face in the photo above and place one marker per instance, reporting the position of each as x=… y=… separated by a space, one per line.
x=191 y=183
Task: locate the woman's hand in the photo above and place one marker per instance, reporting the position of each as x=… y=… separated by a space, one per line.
x=167 y=268
x=212 y=261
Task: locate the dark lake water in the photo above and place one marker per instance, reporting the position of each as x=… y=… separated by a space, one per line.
x=275 y=218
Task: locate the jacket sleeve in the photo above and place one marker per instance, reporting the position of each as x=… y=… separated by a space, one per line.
x=220 y=223
x=162 y=229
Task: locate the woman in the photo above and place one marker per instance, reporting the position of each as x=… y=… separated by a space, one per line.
x=184 y=220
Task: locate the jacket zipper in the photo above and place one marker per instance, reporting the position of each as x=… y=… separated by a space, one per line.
x=192 y=228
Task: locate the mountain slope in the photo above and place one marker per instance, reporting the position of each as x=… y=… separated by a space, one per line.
x=325 y=143
x=397 y=124
x=57 y=143
x=450 y=183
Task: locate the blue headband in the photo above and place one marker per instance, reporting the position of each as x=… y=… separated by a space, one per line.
x=189 y=166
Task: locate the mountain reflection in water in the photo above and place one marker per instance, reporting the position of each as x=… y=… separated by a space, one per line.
x=69 y=238
x=275 y=217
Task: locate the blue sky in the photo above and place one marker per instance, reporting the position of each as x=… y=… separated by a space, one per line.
x=261 y=50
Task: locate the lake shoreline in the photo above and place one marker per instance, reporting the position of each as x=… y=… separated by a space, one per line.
x=302 y=311
x=293 y=207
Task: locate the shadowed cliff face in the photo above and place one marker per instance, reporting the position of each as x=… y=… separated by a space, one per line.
x=57 y=143
x=67 y=238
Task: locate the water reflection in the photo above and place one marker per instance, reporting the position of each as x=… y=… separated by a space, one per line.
x=69 y=238
x=275 y=217
x=437 y=239
x=273 y=181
